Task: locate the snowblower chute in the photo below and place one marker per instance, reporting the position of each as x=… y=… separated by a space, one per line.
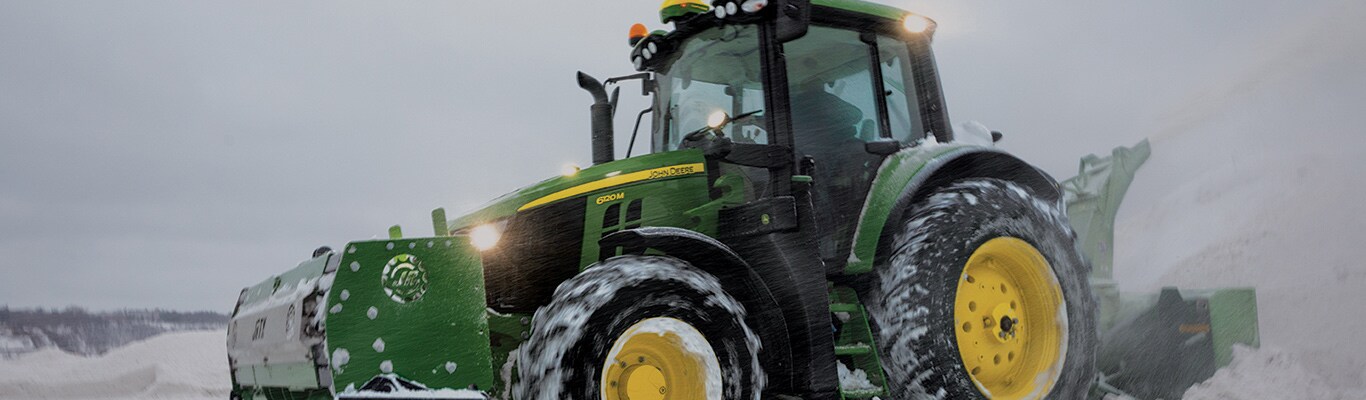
x=1152 y=345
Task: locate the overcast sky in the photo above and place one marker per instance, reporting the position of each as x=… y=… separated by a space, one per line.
x=168 y=153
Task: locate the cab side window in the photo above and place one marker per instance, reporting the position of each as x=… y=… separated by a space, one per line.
x=903 y=111
x=830 y=86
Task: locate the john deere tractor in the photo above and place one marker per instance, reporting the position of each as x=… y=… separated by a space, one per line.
x=804 y=226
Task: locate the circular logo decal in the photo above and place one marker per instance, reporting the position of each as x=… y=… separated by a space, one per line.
x=404 y=279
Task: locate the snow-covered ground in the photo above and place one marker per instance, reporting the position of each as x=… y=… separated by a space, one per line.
x=184 y=365
x=1268 y=373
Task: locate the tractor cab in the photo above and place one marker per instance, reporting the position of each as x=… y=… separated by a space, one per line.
x=816 y=92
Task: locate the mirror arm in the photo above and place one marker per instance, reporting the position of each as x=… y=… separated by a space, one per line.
x=647 y=83
x=636 y=130
x=642 y=75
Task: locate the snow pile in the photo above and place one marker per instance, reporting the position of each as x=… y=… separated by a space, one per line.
x=14 y=344
x=413 y=390
x=190 y=365
x=855 y=381
x=442 y=394
x=1266 y=374
x=974 y=133
x=284 y=296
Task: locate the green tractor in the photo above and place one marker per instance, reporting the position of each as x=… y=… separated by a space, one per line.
x=804 y=226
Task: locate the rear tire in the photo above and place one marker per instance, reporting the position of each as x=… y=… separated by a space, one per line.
x=619 y=306
x=921 y=298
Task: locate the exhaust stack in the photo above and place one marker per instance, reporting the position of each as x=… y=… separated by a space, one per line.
x=601 y=112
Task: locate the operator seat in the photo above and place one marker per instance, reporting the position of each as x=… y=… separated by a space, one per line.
x=826 y=129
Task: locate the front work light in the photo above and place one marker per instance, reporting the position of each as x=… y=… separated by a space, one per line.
x=915 y=23
x=753 y=6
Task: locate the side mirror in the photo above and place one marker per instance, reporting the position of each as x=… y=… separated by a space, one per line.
x=793 y=17
x=882 y=147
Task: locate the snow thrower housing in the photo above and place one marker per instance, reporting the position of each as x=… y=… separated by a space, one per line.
x=1153 y=345
x=804 y=225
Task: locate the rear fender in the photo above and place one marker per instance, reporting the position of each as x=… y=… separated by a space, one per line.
x=912 y=173
x=765 y=314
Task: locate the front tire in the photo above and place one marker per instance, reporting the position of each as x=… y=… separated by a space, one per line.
x=984 y=295
x=640 y=328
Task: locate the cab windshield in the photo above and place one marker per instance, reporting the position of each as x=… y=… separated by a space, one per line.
x=714 y=70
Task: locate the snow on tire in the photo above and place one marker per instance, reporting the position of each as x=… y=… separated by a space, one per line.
x=912 y=302
x=573 y=335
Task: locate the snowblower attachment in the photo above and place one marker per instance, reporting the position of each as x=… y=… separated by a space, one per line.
x=275 y=339
x=1152 y=345
x=402 y=315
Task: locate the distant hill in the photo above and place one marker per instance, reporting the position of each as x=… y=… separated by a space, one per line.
x=77 y=331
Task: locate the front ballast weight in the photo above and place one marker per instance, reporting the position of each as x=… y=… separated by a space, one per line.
x=362 y=291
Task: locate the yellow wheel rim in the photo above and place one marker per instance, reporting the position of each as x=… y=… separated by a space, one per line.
x=1010 y=320
x=661 y=359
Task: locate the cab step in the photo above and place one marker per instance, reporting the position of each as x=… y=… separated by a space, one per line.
x=855 y=347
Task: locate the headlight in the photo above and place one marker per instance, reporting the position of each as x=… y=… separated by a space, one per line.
x=569 y=169
x=485 y=236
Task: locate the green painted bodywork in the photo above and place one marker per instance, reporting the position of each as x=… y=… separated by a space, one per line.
x=507 y=205
x=293 y=376
x=446 y=326
x=893 y=177
x=1093 y=198
x=1232 y=316
x=681 y=9
x=878 y=10
x=505 y=335
x=863 y=7
x=1233 y=321
x=855 y=340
